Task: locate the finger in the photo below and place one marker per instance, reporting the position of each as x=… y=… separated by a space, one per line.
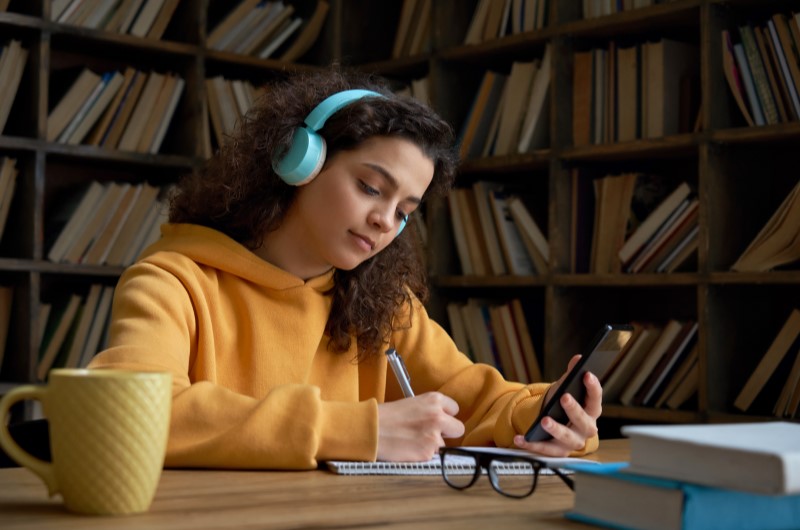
x=449 y=405
x=594 y=396
x=452 y=428
x=581 y=424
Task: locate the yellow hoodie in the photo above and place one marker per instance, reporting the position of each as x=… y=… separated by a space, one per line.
x=253 y=383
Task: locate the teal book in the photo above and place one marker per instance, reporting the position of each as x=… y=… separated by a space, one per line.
x=606 y=495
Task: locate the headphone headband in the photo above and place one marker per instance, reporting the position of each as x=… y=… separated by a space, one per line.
x=306 y=155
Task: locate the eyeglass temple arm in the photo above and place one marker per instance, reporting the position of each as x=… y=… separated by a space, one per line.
x=566 y=479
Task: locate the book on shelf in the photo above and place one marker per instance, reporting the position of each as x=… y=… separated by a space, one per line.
x=773 y=70
x=475 y=132
x=681 y=223
x=629 y=359
x=476 y=241
x=102 y=213
x=518 y=260
x=58 y=325
x=611 y=495
x=421 y=37
x=502 y=346
x=582 y=85
x=283 y=32
x=786 y=405
x=8 y=184
x=101 y=245
x=162 y=20
x=166 y=120
x=480 y=190
x=409 y=12
x=77 y=214
x=262 y=26
x=136 y=222
x=12 y=66
x=112 y=81
x=518 y=90
x=82 y=325
x=669 y=63
x=149 y=232
x=535 y=133
x=532 y=236
x=629 y=93
x=683 y=383
x=146 y=17
x=780 y=31
x=526 y=342
x=787 y=340
x=71 y=102
x=778 y=242
x=141 y=112
x=100 y=321
x=308 y=33
x=766 y=455
x=111 y=110
x=654 y=220
x=110 y=137
x=514 y=345
x=748 y=82
x=758 y=71
x=458 y=329
x=459 y=234
x=679 y=349
x=666 y=337
x=613 y=197
x=6 y=301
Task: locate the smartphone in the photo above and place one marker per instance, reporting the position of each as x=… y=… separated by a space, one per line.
x=600 y=356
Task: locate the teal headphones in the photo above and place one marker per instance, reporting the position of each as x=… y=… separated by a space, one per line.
x=306 y=155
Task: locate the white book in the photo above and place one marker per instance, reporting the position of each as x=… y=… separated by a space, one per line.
x=82 y=329
x=761 y=457
x=109 y=90
x=144 y=20
x=151 y=231
x=535 y=125
x=98 y=218
x=83 y=110
x=749 y=85
x=167 y=119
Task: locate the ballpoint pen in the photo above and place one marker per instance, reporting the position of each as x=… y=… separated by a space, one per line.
x=400 y=372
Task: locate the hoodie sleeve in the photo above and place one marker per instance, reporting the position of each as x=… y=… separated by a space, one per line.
x=155 y=328
x=493 y=410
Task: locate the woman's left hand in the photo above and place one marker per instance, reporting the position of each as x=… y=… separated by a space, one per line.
x=582 y=423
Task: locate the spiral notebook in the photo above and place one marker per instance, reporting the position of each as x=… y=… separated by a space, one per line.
x=459 y=464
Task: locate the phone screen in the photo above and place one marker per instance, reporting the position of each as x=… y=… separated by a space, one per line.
x=600 y=356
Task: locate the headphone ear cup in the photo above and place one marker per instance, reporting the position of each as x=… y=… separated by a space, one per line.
x=304 y=159
x=402 y=225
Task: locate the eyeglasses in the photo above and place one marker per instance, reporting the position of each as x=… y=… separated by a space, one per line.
x=511 y=475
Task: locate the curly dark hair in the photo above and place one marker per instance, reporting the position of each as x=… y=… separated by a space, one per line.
x=237 y=192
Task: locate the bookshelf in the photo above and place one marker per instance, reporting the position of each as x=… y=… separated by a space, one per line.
x=739 y=174
x=51 y=173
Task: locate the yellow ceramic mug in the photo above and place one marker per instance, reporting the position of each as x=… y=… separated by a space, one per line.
x=108 y=437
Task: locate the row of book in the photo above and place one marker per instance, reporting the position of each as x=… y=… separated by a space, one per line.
x=413 y=35
x=495 y=333
x=493 y=19
x=495 y=233
x=633 y=222
x=141 y=18
x=646 y=90
x=12 y=64
x=735 y=476
x=509 y=113
x=656 y=368
x=601 y=8
x=779 y=367
x=73 y=330
x=8 y=183
x=109 y=224
x=265 y=28
x=129 y=110
x=763 y=69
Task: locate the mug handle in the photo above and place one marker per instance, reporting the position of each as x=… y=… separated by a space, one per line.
x=17 y=453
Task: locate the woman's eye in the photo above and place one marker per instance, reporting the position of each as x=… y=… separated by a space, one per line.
x=369 y=190
x=402 y=216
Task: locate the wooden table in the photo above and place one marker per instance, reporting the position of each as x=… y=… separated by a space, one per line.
x=201 y=499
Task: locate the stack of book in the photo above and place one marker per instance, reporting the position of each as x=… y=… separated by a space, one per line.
x=658 y=367
x=496 y=334
x=73 y=330
x=142 y=18
x=110 y=224
x=495 y=233
x=762 y=69
x=597 y=8
x=696 y=477
x=509 y=113
x=128 y=110
x=12 y=64
x=265 y=29
x=494 y=19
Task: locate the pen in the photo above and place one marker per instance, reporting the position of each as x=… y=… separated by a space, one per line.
x=400 y=372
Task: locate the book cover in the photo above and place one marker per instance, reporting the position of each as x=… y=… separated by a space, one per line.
x=610 y=495
x=767 y=455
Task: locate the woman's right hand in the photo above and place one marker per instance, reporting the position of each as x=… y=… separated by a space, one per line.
x=413 y=429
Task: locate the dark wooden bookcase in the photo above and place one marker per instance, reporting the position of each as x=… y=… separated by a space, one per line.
x=740 y=173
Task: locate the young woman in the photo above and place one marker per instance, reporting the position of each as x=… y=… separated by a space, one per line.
x=272 y=303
